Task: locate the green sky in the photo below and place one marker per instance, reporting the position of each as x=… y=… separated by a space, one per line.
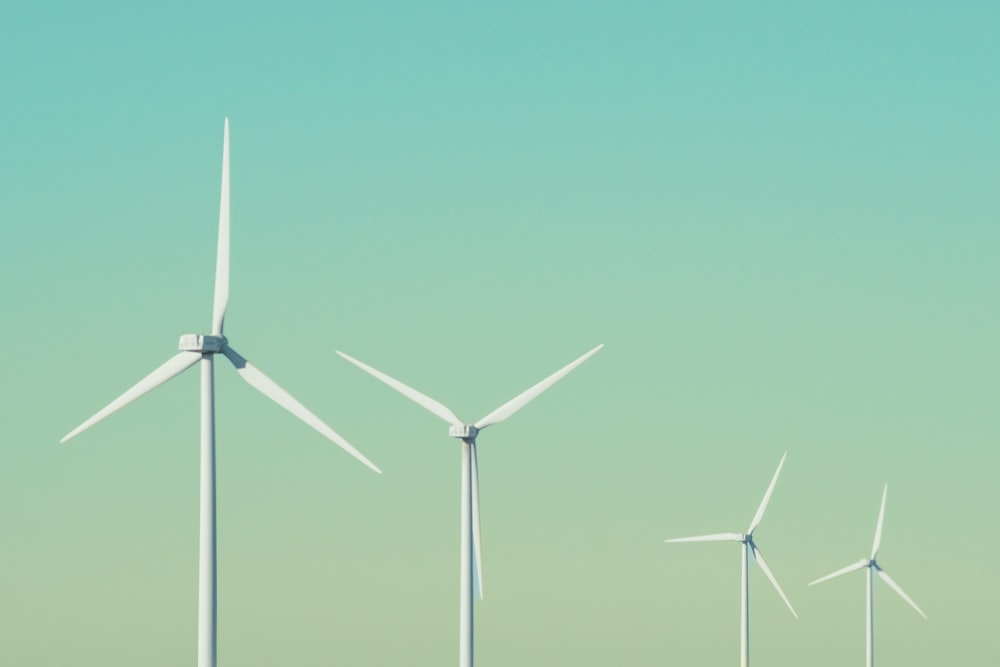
x=780 y=218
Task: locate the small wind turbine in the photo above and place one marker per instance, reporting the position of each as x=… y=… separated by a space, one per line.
x=873 y=566
x=203 y=348
x=471 y=541
x=748 y=546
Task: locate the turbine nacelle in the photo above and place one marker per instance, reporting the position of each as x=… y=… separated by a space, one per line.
x=463 y=431
x=200 y=343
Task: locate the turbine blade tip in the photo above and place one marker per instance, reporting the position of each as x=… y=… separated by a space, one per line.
x=72 y=434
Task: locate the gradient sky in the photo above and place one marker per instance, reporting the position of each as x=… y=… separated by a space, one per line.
x=780 y=218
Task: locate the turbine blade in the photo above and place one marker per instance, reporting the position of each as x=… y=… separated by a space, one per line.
x=522 y=399
x=878 y=526
x=222 y=257
x=759 y=557
x=894 y=586
x=422 y=400
x=718 y=537
x=265 y=385
x=844 y=570
x=477 y=535
x=174 y=366
x=767 y=497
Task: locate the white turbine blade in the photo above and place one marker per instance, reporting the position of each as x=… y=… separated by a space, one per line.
x=878 y=526
x=767 y=497
x=175 y=365
x=422 y=400
x=718 y=537
x=894 y=586
x=222 y=258
x=265 y=385
x=759 y=557
x=522 y=399
x=844 y=570
x=477 y=535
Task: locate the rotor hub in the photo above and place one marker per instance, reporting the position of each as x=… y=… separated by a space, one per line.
x=463 y=431
x=201 y=343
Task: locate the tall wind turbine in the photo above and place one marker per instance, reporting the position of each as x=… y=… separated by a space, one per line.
x=471 y=541
x=873 y=566
x=203 y=348
x=748 y=546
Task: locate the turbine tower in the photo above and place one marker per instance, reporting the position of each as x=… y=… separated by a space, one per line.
x=873 y=567
x=748 y=546
x=471 y=540
x=203 y=348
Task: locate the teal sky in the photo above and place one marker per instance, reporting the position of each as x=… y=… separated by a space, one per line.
x=780 y=218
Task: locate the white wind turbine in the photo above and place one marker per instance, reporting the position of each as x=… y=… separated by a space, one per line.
x=471 y=540
x=748 y=547
x=203 y=348
x=873 y=566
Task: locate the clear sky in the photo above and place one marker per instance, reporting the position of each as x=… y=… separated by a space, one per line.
x=781 y=218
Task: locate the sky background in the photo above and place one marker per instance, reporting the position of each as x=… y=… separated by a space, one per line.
x=780 y=218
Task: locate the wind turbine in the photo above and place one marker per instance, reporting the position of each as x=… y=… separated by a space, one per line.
x=748 y=547
x=873 y=566
x=203 y=348
x=471 y=541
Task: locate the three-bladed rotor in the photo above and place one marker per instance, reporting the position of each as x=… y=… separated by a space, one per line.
x=747 y=537
x=872 y=563
x=195 y=346
x=467 y=433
